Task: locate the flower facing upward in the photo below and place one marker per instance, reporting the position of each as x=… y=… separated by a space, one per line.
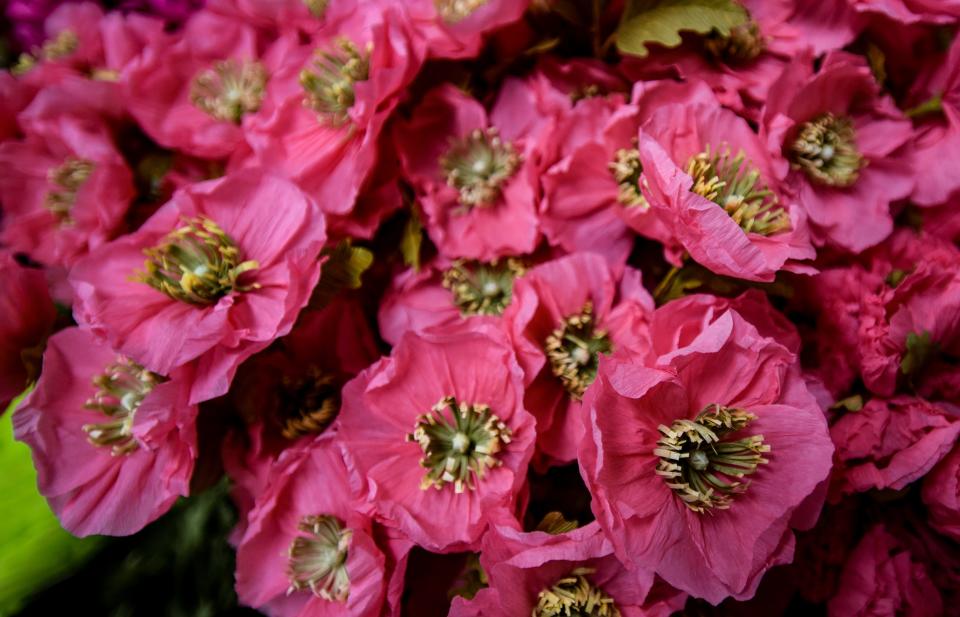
x=478 y=165
x=328 y=83
x=230 y=89
x=826 y=150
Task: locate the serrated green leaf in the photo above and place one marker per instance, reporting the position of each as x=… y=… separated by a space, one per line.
x=343 y=269
x=411 y=241
x=662 y=21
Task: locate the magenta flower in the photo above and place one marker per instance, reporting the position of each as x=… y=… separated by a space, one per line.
x=113 y=443
x=941 y=494
x=223 y=277
x=440 y=433
x=700 y=466
x=456 y=28
x=912 y=11
x=172 y=10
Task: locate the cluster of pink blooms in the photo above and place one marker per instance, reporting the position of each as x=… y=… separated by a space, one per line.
x=719 y=283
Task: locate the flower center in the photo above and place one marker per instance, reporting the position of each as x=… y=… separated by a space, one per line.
x=460 y=441
x=453 y=11
x=701 y=461
x=574 y=351
x=626 y=170
x=743 y=44
x=120 y=389
x=735 y=185
x=316 y=7
x=318 y=558
x=309 y=403
x=826 y=150
x=60 y=46
x=478 y=165
x=575 y=596
x=482 y=288
x=229 y=90
x=197 y=263
x=328 y=81
x=66 y=181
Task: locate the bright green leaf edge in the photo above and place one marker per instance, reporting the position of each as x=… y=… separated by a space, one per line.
x=662 y=21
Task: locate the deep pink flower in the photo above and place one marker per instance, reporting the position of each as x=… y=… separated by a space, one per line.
x=476 y=174
x=671 y=504
x=113 y=443
x=912 y=11
x=456 y=28
x=440 y=433
x=308 y=549
x=839 y=145
x=881 y=578
x=891 y=443
x=941 y=493
x=224 y=276
x=173 y=10
x=564 y=316
x=686 y=153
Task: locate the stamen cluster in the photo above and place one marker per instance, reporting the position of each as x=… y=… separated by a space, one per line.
x=743 y=44
x=480 y=288
x=574 y=351
x=627 y=171
x=478 y=166
x=328 y=82
x=318 y=558
x=66 y=181
x=230 y=89
x=452 y=11
x=120 y=389
x=575 y=596
x=308 y=404
x=826 y=150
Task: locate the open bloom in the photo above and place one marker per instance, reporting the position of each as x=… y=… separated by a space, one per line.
x=113 y=443
x=911 y=11
x=456 y=28
x=941 y=493
x=214 y=276
x=440 y=433
x=700 y=465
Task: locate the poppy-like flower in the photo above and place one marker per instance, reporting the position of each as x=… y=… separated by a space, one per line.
x=69 y=41
x=891 y=443
x=911 y=11
x=883 y=578
x=941 y=493
x=26 y=317
x=308 y=547
x=475 y=173
x=709 y=179
x=456 y=28
x=171 y=10
x=560 y=330
x=839 y=145
x=113 y=443
x=440 y=433
x=214 y=276
x=700 y=465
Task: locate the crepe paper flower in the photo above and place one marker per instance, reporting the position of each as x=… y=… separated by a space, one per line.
x=456 y=28
x=114 y=444
x=560 y=330
x=719 y=451
x=223 y=277
x=941 y=494
x=882 y=577
x=710 y=181
x=842 y=144
x=307 y=15
x=891 y=443
x=26 y=318
x=70 y=40
x=308 y=547
x=475 y=174
x=911 y=11
x=64 y=191
x=439 y=431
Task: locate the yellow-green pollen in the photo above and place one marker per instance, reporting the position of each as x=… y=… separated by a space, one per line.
x=230 y=89
x=734 y=184
x=460 y=442
x=826 y=150
x=316 y=7
x=60 y=46
x=574 y=349
x=308 y=404
x=120 y=389
x=703 y=463
x=628 y=171
x=480 y=288
x=328 y=81
x=452 y=11
x=197 y=263
x=575 y=596
x=478 y=166
x=318 y=558
x=743 y=44
x=65 y=182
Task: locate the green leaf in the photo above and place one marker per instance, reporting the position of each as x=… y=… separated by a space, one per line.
x=920 y=350
x=851 y=403
x=662 y=21
x=343 y=269
x=411 y=241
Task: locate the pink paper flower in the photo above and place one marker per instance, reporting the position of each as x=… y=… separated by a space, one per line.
x=842 y=144
x=912 y=11
x=709 y=519
x=565 y=315
x=440 y=433
x=708 y=178
x=456 y=28
x=882 y=578
x=113 y=443
x=223 y=277
x=891 y=443
x=308 y=548
x=476 y=174
x=941 y=493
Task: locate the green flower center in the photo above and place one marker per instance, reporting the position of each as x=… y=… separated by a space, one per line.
x=452 y=11
x=120 y=389
x=229 y=90
x=197 y=263
x=328 y=81
x=826 y=150
x=65 y=182
x=478 y=166
x=574 y=351
x=735 y=185
x=308 y=404
x=626 y=170
x=316 y=7
x=743 y=44
x=575 y=596
x=318 y=558
x=60 y=46
x=703 y=463
x=460 y=442
x=482 y=288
